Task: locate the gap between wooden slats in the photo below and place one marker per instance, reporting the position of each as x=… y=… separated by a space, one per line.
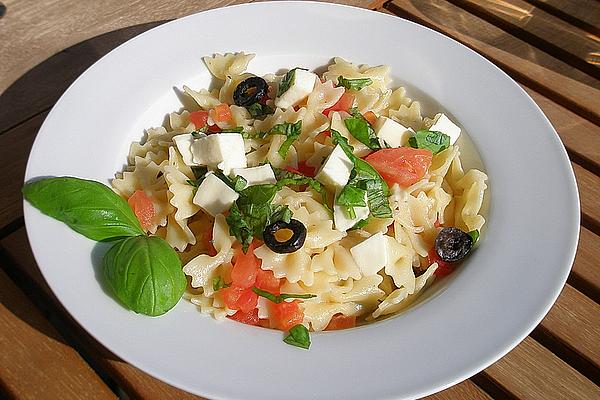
x=542 y=30
x=35 y=361
x=584 y=14
x=540 y=71
x=532 y=372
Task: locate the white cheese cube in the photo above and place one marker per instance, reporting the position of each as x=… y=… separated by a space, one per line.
x=371 y=255
x=341 y=219
x=263 y=307
x=391 y=133
x=302 y=85
x=256 y=175
x=184 y=145
x=220 y=150
x=214 y=196
x=336 y=169
x=444 y=125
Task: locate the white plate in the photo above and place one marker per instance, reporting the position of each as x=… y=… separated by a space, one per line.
x=477 y=316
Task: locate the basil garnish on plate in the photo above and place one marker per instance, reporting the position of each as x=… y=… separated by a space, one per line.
x=143 y=272
x=88 y=207
x=298 y=336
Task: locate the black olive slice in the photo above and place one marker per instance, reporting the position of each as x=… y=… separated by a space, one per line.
x=250 y=91
x=292 y=244
x=452 y=244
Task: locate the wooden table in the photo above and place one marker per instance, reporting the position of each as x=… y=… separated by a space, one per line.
x=551 y=47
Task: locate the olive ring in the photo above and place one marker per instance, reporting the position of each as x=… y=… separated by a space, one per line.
x=452 y=244
x=244 y=96
x=292 y=244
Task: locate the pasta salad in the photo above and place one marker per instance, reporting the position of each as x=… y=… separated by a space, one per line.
x=305 y=202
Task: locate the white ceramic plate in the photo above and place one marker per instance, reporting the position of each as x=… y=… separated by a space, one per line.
x=473 y=319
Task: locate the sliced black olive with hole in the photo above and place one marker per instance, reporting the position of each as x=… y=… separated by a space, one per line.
x=250 y=91
x=452 y=244
x=273 y=236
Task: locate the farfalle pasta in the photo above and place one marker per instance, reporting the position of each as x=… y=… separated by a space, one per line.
x=300 y=201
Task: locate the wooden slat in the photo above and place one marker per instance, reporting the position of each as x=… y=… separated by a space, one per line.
x=524 y=62
x=539 y=28
x=586 y=260
x=582 y=13
x=466 y=390
x=133 y=381
x=35 y=362
x=14 y=150
x=575 y=321
x=530 y=371
x=578 y=134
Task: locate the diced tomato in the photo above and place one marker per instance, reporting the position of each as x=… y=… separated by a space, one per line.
x=245 y=267
x=341 y=321
x=238 y=298
x=265 y=280
x=213 y=129
x=370 y=117
x=285 y=315
x=142 y=207
x=343 y=104
x=199 y=118
x=250 y=318
x=221 y=113
x=303 y=169
x=403 y=165
x=322 y=136
x=443 y=268
x=437 y=223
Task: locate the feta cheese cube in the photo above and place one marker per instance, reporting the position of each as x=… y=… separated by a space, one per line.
x=336 y=169
x=391 y=133
x=214 y=196
x=341 y=219
x=256 y=175
x=184 y=145
x=443 y=124
x=220 y=150
x=302 y=85
x=371 y=255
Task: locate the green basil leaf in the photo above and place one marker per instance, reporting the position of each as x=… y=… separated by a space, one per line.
x=145 y=274
x=361 y=224
x=354 y=84
x=377 y=196
x=259 y=111
x=431 y=140
x=198 y=133
x=199 y=171
x=237 y=129
x=474 y=235
x=279 y=213
x=88 y=207
x=291 y=130
x=412 y=142
x=239 y=227
x=219 y=283
x=287 y=81
x=362 y=131
x=278 y=298
x=349 y=197
x=298 y=336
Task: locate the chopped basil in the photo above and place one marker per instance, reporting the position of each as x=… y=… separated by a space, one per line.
x=219 y=283
x=198 y=133
x=237 y=129
x=350 y=197
x=354 y=84
x=362 y=223
x=362 y=131
x=287 y=178
x=259 y=111
x=298 y=336
x=474 y=235
x=278 y=298
x=199 y=172
x=364 y=176
x=287 y=81
x=253 y=211
x=431 y=140
x=291 y=130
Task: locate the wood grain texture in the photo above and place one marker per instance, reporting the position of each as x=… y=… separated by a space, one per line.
x=524 y=62
x=544 y=31
x=532 y=372
x=575 y=320
x=582 y=13
x=32 y=31
x=586 y=261
x=35 y=362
